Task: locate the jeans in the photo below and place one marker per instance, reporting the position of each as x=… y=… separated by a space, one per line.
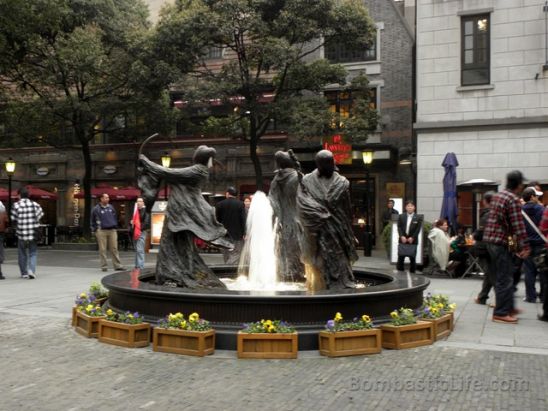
x=489 y=279
x=504 y=285
x=530 y=273
x=139 y=245
x=26 y=253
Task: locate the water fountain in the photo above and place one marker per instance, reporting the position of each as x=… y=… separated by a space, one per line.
x=154 y=293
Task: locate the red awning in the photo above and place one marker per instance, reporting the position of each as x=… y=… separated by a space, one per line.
x=35 y=193
x=115 y=194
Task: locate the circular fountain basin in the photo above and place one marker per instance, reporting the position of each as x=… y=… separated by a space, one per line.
x=228 y=310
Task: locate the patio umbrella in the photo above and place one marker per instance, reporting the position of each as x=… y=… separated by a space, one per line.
x=449 y=206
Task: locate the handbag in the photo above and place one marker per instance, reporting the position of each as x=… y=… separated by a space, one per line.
x=407 y=250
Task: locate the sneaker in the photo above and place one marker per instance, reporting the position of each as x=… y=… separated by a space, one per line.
x=507 y=319
x=104 y=269
x=25 y=276
x=31 y=275
x=121 y=268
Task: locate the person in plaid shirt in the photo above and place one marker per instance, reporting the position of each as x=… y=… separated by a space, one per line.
x=544 y=274
x=505 y=220
x=26 y=215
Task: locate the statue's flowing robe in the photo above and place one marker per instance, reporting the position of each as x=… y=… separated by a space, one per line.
x=188 y=215
x=328 y=242
x=283 y=198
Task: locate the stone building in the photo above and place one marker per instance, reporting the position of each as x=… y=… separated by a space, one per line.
x=482 y=83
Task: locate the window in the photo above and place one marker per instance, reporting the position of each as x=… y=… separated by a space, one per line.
x=342 y=102
x=475 y=50
x=214 y=53
x=339 y=53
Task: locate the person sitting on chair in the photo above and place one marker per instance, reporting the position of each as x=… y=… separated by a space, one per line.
x=440 y=243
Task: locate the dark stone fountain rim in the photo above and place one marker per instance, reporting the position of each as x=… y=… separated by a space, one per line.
x=396 y=283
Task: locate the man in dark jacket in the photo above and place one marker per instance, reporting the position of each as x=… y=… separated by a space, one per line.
x=534 y=211
x=231 y=213
x=388 y=213
x=409 y=227
x=481 y=248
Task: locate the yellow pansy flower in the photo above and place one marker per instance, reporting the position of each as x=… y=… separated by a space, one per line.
x=110 y=312
x=183 y=324
x=338 y=317
x=179 y=315
x=452 y=306
x=440 y=306
x=194 y=317
x=366 y=319
x=83 y=295
x=130 y=316
x=394 y=314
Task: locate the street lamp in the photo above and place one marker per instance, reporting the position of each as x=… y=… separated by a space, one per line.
x=10 y=170
x=166 y=162
x=367 y=240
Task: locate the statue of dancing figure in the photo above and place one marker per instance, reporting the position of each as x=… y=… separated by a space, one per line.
x=329 y=247
x=188 y=216
x=283 y=199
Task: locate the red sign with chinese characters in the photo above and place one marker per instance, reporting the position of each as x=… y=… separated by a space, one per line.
x=342 y=151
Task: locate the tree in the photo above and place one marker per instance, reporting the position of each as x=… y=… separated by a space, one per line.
x=269 y=46
x=77 y=65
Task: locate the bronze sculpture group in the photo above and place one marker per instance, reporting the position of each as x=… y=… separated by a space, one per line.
x=312 y=220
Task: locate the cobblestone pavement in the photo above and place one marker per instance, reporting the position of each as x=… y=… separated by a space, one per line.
x=45 y=365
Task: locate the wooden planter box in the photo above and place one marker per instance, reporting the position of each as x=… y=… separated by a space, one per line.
x=86 y=325
x=442 y=326
x=346 y=343
x=198 y=343
x=124 y=335
x=73 y=320
x=283 y=345
x=407 y=336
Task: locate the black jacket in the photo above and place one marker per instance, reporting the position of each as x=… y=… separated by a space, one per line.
x=414 y=227
x=231 y=213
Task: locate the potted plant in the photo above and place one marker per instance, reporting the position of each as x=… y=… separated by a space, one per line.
x=99 y=292
x=267 y=339
x=126 y=330
x=439 y=300
x=83 y=300
x=404 y=331
x=438 y=314
x=87 y=319
x=176 y=335
x=345 y=338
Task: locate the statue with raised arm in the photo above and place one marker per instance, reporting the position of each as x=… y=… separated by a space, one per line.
x=188 y=216
x=329 y=245
x=283 y=199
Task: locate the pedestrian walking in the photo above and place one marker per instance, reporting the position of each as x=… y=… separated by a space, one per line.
x=140 y=224
x=489 y=278
x=25 y=216
x=104 y=223
x=231 y=214
x=505 y=235
x=3 y=226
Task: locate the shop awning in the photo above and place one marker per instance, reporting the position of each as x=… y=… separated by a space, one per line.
x=35 y=193
x=115 y=193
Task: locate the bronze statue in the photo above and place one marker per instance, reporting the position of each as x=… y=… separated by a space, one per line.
x=329 y=245
x=283 y=199
x=188 y=216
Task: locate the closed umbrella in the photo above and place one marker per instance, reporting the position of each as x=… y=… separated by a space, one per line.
x=449 y=209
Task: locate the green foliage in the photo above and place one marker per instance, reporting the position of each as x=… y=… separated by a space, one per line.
x=91 y=310
x=403 y=316
x=268 y=326
x=269 y=46
x=177 y=321
x=337 y=323
x=126 y=318
x=97 y=290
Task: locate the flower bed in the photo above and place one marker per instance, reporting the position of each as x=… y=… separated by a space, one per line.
x=268 y=339
x=405 y=331
x=87 y=320
x=357 y=337
x=125 y=330
x=178 y=336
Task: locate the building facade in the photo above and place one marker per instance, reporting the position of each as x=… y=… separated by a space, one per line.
x=482 y=92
